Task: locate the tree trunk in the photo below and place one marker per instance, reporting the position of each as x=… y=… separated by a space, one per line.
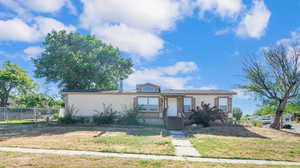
x=280 y=109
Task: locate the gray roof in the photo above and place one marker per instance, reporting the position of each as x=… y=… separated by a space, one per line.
x=166 y=92
x=196 y=91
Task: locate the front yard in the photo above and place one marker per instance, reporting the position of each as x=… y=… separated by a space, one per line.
x=23 y=160
x=246 y=143
x=146 y=140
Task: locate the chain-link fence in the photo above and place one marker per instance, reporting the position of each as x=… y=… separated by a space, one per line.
x=7 y=113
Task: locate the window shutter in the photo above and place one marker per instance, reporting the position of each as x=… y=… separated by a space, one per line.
x=229 y=104
x=135 y=103
x=217 y=102
x=193 y=103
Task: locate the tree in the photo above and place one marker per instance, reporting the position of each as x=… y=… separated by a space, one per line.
x=77 y=61
x=277 y=80
x=237 y=114
x=269 y=107
x=13 y=78
x=206 y=114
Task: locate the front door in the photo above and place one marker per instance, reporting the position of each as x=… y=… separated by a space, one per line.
x=172 y=107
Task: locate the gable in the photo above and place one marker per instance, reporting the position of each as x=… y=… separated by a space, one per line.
x=148 y=88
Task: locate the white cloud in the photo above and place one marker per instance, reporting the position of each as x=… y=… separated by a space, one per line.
x=46 y=6
x=294 y=39
x=255 y=21
x=46 y=25
x=243 y=94
x=164 y=76
x=23 y=8
x=140 y=20
x=209 y=87
x=33 y=52
x=224 y=8
x=17 y=30
x=222 y=31
x=17 y=8
x=131 y=40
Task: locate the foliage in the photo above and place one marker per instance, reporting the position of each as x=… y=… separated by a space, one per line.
x=237 y=114
x=269 y=107
x=107 y=116
x=256 y=123
x=278 y=79
x=69 y=116
x=77 y=61
x=56 y=103
x=130 y=117
x=13 y=78
x=206 y=114
x=35 y=99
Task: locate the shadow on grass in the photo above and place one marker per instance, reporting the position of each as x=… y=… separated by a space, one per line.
x=240 y=131
x=8 y=131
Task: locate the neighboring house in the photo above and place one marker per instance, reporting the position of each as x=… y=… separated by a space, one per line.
x=159 y=106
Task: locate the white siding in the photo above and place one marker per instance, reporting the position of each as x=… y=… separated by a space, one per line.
x=89 y=104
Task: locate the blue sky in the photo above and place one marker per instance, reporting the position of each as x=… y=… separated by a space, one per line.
x=174 y=43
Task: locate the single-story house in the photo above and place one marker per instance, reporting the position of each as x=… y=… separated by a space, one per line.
x=159 y=106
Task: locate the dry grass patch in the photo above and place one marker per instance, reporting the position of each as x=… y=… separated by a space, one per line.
x=144 y=140
x=246 y=143
x=23 y=160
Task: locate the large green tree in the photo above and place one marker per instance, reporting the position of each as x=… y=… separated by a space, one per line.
x=76 y=61
x=275 y=79
x=13 y=79
x=268 y=107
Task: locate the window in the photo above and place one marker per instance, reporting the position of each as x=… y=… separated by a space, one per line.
x=187 y=104
x=148 y=89
x=148 y=103
x=223 y=104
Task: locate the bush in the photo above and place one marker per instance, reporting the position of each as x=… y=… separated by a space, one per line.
x=69 y=116
x=130 y=117
x=205 y=114
x=55 y=116
x=108 y=116
x=256 y=123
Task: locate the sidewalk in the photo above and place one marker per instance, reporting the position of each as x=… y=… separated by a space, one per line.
x=142 y=156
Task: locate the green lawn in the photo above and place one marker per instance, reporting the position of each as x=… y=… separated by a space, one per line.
x=246 y=143
x=145 y=140
x=23 y=160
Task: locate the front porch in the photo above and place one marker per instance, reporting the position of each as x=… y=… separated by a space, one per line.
x=173 y=113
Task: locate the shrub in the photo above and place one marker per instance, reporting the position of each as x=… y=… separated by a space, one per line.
x=206 y=114
x=55 y=116
x=237 y=115
x=130 y=117
x=108 y=116
x=69 y=116
x=256 y=123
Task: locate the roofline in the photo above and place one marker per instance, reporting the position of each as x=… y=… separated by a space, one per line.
x=141 y=93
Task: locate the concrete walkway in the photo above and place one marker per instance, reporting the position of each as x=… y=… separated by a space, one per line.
x=142 y=156
x=182 y=146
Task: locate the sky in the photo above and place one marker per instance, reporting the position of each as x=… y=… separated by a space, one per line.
x=177 y=44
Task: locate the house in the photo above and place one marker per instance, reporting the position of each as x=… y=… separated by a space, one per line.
x=159 y=106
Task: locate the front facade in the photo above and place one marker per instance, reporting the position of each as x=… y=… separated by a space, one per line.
x=158 y=106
